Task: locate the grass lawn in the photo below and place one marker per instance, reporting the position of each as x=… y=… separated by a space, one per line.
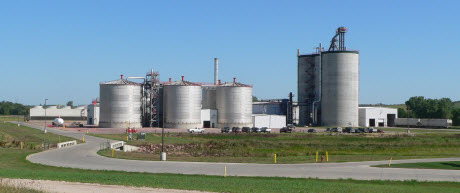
x=14 y=189
x=454 y=165
x=13 y=164
x=292 y=148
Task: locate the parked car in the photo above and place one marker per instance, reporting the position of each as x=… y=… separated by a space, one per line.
x=312 y=131
x=237 y=130
x=328 y=130
x=337 y=129
x=196 y=130
x=371 y=130
x=348 y=130
x=246 y=129
x=266 y=130
x=380 y=131
x=286 y=130
x=226 y=130
x=256 y=130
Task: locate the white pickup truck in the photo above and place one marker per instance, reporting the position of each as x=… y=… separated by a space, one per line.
x=196 y=130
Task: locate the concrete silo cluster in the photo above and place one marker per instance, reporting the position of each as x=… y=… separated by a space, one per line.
x=178 y=104
x=328 y=85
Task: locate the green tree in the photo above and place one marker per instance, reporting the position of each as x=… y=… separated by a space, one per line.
x=255 y=99
x=70 y=103
x=456 y=117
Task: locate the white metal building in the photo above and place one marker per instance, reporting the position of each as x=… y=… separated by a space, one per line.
x=377 y=116
x=93 y=114
x=209 y=118
x=270 y=121
x=275 y=107
x=52 y=112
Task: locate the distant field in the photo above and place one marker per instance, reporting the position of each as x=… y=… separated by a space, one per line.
x=13 y=164
x=455 y=165
x=293 y=148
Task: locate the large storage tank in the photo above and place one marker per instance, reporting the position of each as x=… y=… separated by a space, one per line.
x=209 y=97
x=234 y=105
x=340 y=88
x=182 y=102
x=120 y=104
x=308 y=82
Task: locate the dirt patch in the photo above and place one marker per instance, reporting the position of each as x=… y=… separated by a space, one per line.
x=74 y=187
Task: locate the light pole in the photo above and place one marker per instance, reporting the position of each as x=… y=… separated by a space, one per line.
x=163 y=153
x=44 y=130
x=408 y=130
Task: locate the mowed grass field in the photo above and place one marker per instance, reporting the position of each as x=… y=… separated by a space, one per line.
x=292 y=148
x=13 y=164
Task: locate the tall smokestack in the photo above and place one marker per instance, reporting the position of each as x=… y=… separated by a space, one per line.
x=216 y=70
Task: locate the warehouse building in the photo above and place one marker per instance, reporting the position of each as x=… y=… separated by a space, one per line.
x=270 y=121
x=275 y=107
x=377 y=116
x=52 y=112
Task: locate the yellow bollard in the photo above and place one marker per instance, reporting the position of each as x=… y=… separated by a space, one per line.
x=389 y=164
x=127 y=139
x=225 y=171
x=63 y=126
x=274 y=157
x=87 y=132
x=22 y=145
x=327 y=157
x=112 y=151
x=83 y=139
x=316 y=156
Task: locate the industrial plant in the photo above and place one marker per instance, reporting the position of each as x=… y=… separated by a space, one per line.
x=327 y=93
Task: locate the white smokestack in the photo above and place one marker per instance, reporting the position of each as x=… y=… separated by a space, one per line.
x=216 y=70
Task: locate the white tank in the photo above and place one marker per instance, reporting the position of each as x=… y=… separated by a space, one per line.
x=52 y=107
x=182 y=102
x=209 y=97
x=308 y=86
x=234 y=105
x=340 y=88
x=66 y=107
x=58 y=122
x=120 y=104
x=37 y=107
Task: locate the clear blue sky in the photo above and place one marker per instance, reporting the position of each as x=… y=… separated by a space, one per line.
x=61 y=50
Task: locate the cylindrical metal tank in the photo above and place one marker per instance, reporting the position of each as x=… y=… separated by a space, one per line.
x=234 y=105
x=209 y=97
x=182 y=102
x=340 y=88
x=66 y=107
x=120 y=104
x=308 y=82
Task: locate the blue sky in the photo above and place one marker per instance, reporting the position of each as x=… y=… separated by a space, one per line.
x=61 y=50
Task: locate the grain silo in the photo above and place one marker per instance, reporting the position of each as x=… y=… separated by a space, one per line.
x=340 y=88
x=120 y=104
x=234 y=105
x=182 y=105
x=308 y=89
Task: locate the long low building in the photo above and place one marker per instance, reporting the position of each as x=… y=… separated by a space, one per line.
x=52 y=112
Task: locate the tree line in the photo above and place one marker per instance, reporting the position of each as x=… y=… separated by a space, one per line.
x=421 y=107
x=9 y=108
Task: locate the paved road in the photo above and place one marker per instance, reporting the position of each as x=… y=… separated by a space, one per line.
x=84 y=156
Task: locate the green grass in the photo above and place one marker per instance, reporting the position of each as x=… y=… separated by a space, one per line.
x=11 y=135
x=13 y=164
x=454 y=165
x=294 y=148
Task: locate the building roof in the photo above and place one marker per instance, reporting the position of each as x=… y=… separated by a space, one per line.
x=120 y=82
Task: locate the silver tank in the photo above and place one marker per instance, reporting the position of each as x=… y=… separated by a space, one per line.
x=234 y=105
x=120 y=104
x=340 y=88
x=209 y=97
x=308 y=70
x=182 y=102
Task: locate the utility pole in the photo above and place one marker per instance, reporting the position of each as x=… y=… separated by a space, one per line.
x=44 y=130
x=408 y=130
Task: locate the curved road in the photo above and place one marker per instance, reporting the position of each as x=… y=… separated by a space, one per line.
x=85 y=156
